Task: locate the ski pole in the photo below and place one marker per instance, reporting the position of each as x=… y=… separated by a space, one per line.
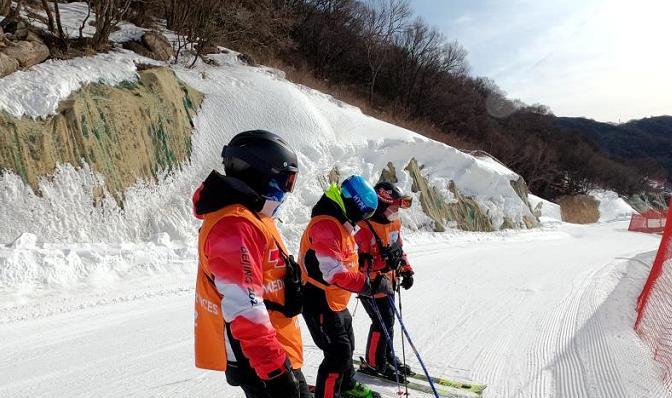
x=403 y=343
x=410 y=342
x=386 y=333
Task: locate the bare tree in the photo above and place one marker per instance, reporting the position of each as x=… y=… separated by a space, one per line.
x=178 y=12
x=50 y=16
x=86 y=19
x=383 y=21
x=454 y=58
x=108 y=14
x=421 y=46
x=61 y=33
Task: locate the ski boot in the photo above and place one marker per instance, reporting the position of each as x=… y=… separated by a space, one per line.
x=360 y=391
x=405 y=369
x=388 y=372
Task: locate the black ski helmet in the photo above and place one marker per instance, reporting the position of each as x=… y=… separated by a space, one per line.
x=260 y=158
x=390 y=194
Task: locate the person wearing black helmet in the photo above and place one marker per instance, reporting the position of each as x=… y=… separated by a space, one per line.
x=381 y=253
x=248 y=292
x=328 y=258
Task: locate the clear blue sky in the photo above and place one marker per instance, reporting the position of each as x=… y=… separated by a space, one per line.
x=609 y=60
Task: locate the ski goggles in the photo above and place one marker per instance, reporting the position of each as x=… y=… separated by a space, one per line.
x=404 y=202
x=360 y=191
x=284 y=181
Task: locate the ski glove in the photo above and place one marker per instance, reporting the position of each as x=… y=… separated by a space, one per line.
x=407 y=281
x=283 y=386
x=406 y=274
x=379 y=285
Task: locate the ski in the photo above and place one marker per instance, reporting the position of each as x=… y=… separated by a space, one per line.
x=412 y=386
x=374 y=394
x=461 y=385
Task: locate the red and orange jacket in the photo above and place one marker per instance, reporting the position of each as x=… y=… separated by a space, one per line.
x=371 y=260
x=239 y=267
x=328 y=255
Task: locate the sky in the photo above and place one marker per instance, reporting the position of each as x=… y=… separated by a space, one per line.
x=609 y=60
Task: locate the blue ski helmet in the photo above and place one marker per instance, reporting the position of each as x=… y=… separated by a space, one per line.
x=359 y=197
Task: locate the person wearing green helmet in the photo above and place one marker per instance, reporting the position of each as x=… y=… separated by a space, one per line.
x=329 y=263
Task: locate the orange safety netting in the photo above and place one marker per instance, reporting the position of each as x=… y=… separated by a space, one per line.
x=651 y=221
x=654 y=306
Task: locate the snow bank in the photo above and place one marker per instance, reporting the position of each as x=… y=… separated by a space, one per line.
x=612 y=207
x=72 y=16
x=549 y=210
x=325 y=132
x=37 y=91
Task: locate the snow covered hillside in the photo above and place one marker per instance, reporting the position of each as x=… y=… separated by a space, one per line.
x=64 y=219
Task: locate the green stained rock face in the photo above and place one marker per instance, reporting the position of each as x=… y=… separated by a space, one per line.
x=127 y=132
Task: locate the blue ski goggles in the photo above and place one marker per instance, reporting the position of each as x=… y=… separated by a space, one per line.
x=362 y=194
x=279 y=185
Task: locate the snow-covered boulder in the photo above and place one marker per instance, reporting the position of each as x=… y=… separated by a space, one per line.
x=612 y=207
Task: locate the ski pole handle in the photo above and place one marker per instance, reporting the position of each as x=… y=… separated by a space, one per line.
x=410 y=342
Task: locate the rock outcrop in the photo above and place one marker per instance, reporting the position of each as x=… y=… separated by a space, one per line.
x=158 y=45
x=7 y=65
x=27 y=49
x=129 y=132
x=461 y=211
x=27 y=53
x=152 y=45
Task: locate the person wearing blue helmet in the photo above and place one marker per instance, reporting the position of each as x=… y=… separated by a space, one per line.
x=329 y=261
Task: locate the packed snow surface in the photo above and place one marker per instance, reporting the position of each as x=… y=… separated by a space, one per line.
x=542 y=313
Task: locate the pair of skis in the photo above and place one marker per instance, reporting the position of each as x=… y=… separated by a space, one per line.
x=445 y=387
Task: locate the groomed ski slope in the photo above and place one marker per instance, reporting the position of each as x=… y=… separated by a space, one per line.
x=543 y=313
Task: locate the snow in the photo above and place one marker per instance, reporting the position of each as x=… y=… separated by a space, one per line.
x=72 y=16
x=537 y=313
x=549 y=211
x=37 y=91
x=612 y=207
x=325 y=132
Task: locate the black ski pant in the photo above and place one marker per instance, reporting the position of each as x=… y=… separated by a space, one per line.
x=254 y=387
x=241 y=374
x=378 y=352
x=332 y=333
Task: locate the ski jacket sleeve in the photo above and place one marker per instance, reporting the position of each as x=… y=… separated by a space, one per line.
x=326 y=240
x=365 y=249
x=235 y=250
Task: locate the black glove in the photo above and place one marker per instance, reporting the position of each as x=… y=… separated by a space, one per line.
x=284 y=386
x=406 y=274
x=406 y=281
